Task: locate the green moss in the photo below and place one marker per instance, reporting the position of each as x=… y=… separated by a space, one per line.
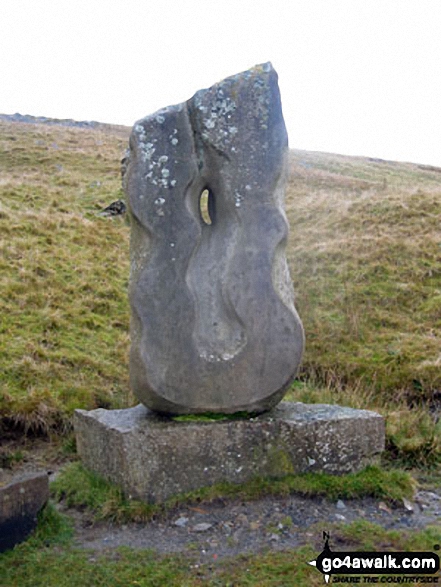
x=279 y=461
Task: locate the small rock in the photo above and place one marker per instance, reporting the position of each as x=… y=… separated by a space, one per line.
x=242 y=519
x=408 y=505
x=202 y=527
x=382 y=506
x=114 y=209
x=181 y=522
x=274 y=538
x=339 y=517
x=340 y=505
x=198 y=510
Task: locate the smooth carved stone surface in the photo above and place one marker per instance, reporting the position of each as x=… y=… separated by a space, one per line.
x=213 y=324
x=153 y=458
x=20 y=502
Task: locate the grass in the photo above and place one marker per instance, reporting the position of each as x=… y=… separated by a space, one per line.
x=365 y=256
x=49 y=559
x=64 y=332
x=81 y=488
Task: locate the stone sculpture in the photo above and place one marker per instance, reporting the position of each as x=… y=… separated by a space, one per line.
x=213 y=323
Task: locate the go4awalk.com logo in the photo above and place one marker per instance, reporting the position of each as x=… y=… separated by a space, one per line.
x=392 y=567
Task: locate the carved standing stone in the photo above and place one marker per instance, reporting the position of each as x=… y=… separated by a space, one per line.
x=213 y=326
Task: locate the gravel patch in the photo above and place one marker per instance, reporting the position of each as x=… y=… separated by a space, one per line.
x=222 y=529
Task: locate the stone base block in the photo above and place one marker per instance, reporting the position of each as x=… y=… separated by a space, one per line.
x=153 y=458
x=20 y=502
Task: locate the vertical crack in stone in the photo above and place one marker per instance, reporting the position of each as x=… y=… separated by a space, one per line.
x=218 y=331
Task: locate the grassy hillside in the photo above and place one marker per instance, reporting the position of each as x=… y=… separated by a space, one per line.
x=365 y=256
x=64 y=273
x=364 y=252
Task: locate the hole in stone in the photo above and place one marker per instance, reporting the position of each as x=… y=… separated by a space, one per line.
x=206 y=206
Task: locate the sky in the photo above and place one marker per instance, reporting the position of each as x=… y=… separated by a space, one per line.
x=357 y=77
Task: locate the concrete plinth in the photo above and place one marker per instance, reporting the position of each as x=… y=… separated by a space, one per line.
x=153 y=458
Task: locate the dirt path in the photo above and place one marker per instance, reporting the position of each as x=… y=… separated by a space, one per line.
x=230 y=528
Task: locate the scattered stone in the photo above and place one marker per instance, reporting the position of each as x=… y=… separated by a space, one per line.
x=218 y=331
x=20 y=502
x=232 y=540
x=340 y=505
x=408 y=505
x=181 y=522
x=114 y=209
x=385 y=508
x=202 y=527
x=198 y=510
x=340 y=517
x=274 y=538
x=242 y=519
x=428 y=496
